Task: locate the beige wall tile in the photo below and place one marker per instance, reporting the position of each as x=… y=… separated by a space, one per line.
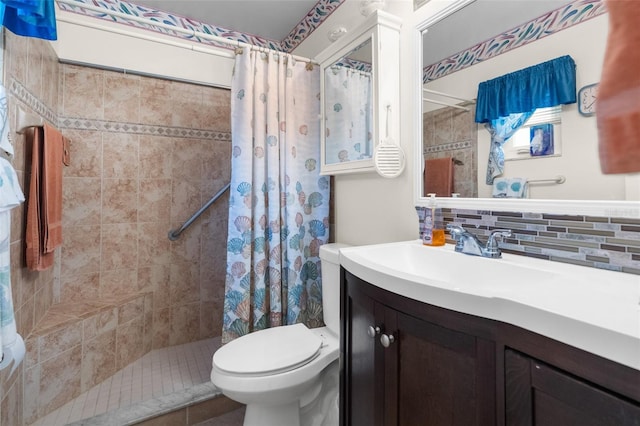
x=185 y=283
x=154 y=200
x=31 y=392
x=98 y=359
x=102 y=322
x=122 y=97
x=81 y=202
x=81 y=251
x=157 y=279
x=131 y=310
x=59 y=341
x=120 y=153
x=118 y=282
x=185 y=200
x=128 y=347
x=155 y=157
x=86 y=153
x=155 y=102
x=11 y=406
x=119 y=246
x=60 y=380
x=185 y=323
x=77 y=287
x=161 y=328
x=83 y=94
x=154 y=246
x=119 y=201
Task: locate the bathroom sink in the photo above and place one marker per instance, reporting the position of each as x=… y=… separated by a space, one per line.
x=592 y=309
x=445 y=268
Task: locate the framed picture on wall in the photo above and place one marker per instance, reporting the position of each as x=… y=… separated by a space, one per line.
x=541 y=140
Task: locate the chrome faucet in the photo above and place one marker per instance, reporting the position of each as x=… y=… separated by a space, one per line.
x=468 y=243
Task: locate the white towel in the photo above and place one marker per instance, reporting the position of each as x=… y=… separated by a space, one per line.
x=10 y=196
x=5 y=143
x=509 y=187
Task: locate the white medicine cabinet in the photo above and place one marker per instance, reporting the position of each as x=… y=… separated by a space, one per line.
x=360 y=87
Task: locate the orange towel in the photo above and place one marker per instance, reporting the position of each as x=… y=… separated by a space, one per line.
x=44 y=204
x=618 y=103
x=438 y=176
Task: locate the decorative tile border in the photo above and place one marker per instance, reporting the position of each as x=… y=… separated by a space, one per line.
x=23 y=95
x=543 y=26
x=447 y=147
x=141 y=129
x=597 y=242
x=29 y=99
x=298 y=34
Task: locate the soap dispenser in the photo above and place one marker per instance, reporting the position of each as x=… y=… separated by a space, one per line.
x=433 y=224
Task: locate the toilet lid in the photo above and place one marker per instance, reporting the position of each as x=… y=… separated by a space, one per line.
x=271 y=350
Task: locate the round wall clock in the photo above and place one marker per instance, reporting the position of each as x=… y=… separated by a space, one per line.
x=587 y=99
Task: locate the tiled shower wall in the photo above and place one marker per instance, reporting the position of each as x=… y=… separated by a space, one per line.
x=145 y=155
x=452 y=132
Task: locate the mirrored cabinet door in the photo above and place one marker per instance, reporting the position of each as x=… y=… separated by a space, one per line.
x=359 y=94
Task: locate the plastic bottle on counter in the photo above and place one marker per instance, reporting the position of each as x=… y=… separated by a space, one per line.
x=433 y=224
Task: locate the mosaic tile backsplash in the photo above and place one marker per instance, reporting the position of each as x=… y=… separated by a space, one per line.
x=599 y=242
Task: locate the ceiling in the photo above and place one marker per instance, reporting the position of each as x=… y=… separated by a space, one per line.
x=271 y=19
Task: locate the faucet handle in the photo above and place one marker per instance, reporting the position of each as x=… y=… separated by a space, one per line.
x=492 y=248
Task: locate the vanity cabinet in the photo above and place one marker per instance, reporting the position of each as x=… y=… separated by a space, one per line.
x=405 y=362
x=539 y=394
x=408 y=363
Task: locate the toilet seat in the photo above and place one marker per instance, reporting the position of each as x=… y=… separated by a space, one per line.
x=270 y=351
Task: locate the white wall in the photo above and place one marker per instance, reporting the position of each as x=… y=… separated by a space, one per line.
x=77 y=42
x=579 y=161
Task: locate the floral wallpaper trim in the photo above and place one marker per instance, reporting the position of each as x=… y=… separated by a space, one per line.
x=309 y=23
x=141 y=129
x=298 y=34
x=30 y=100
x=543 y=26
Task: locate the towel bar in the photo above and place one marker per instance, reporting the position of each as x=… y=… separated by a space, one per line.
x=558 y=179
x=26 y=120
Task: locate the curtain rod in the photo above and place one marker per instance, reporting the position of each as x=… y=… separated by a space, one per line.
x=447 y=95
x=199 y=34
x=433 y=101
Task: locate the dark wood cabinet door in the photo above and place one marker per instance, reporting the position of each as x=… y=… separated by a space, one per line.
x=539 y=394
x=359 y=378
x=444 y=377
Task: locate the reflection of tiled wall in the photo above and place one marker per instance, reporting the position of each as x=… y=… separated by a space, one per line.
x=145 y=155
x=451 y=132
x=600 y=242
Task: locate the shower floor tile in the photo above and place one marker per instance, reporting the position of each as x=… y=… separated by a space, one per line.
x=158 y=373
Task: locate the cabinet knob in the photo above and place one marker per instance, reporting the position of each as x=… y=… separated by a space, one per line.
x=372 y=331
x=387 y=340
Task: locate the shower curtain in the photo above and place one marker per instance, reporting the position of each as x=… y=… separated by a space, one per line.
x=279 y=203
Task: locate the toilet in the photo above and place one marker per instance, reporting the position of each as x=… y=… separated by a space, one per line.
x=288 y=376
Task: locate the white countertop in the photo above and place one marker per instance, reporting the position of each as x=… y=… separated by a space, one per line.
x=592 y=309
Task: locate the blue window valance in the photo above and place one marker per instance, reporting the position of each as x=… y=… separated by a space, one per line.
x=543 y=85
x=29 y=18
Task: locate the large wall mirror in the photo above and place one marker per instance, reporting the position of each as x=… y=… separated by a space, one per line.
x=556 y=154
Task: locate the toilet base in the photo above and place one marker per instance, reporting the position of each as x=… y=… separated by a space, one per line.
x=272 y=415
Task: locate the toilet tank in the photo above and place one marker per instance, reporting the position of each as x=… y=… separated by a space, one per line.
x=330 y=262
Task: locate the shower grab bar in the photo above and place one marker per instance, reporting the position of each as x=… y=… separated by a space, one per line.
x=174 y=234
